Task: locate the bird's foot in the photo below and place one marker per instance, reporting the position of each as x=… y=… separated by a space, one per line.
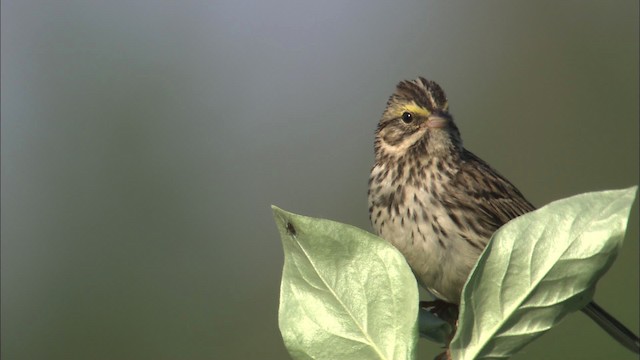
x=442 y=309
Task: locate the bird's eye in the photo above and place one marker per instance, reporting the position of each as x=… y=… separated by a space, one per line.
x=407 y=117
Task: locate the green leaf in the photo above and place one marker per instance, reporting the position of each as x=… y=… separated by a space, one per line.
x=537 y=269
x=345 y=293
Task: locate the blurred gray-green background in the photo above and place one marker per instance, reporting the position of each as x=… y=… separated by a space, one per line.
x=143 y=142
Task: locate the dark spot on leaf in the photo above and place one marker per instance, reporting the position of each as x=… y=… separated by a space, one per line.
x=291 y=230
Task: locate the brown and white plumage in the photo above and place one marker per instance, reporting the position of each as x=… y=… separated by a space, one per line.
x=434 y=200
x=437 y=202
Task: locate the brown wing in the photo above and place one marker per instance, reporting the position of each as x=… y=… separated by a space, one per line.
x=486 y=197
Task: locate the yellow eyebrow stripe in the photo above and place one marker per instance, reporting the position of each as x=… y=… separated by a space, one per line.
x=413 y=108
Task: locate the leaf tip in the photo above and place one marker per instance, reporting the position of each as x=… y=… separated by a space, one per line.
x=279 y=216
x=278 y=211
x=285 y=221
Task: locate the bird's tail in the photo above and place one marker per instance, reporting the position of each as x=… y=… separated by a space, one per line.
x=612 y=326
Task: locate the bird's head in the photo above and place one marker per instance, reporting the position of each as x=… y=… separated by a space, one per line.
x=417 y=121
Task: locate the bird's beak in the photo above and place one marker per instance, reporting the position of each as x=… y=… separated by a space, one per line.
x=437 y=122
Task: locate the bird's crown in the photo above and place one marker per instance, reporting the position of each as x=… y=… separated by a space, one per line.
x=420 y=96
